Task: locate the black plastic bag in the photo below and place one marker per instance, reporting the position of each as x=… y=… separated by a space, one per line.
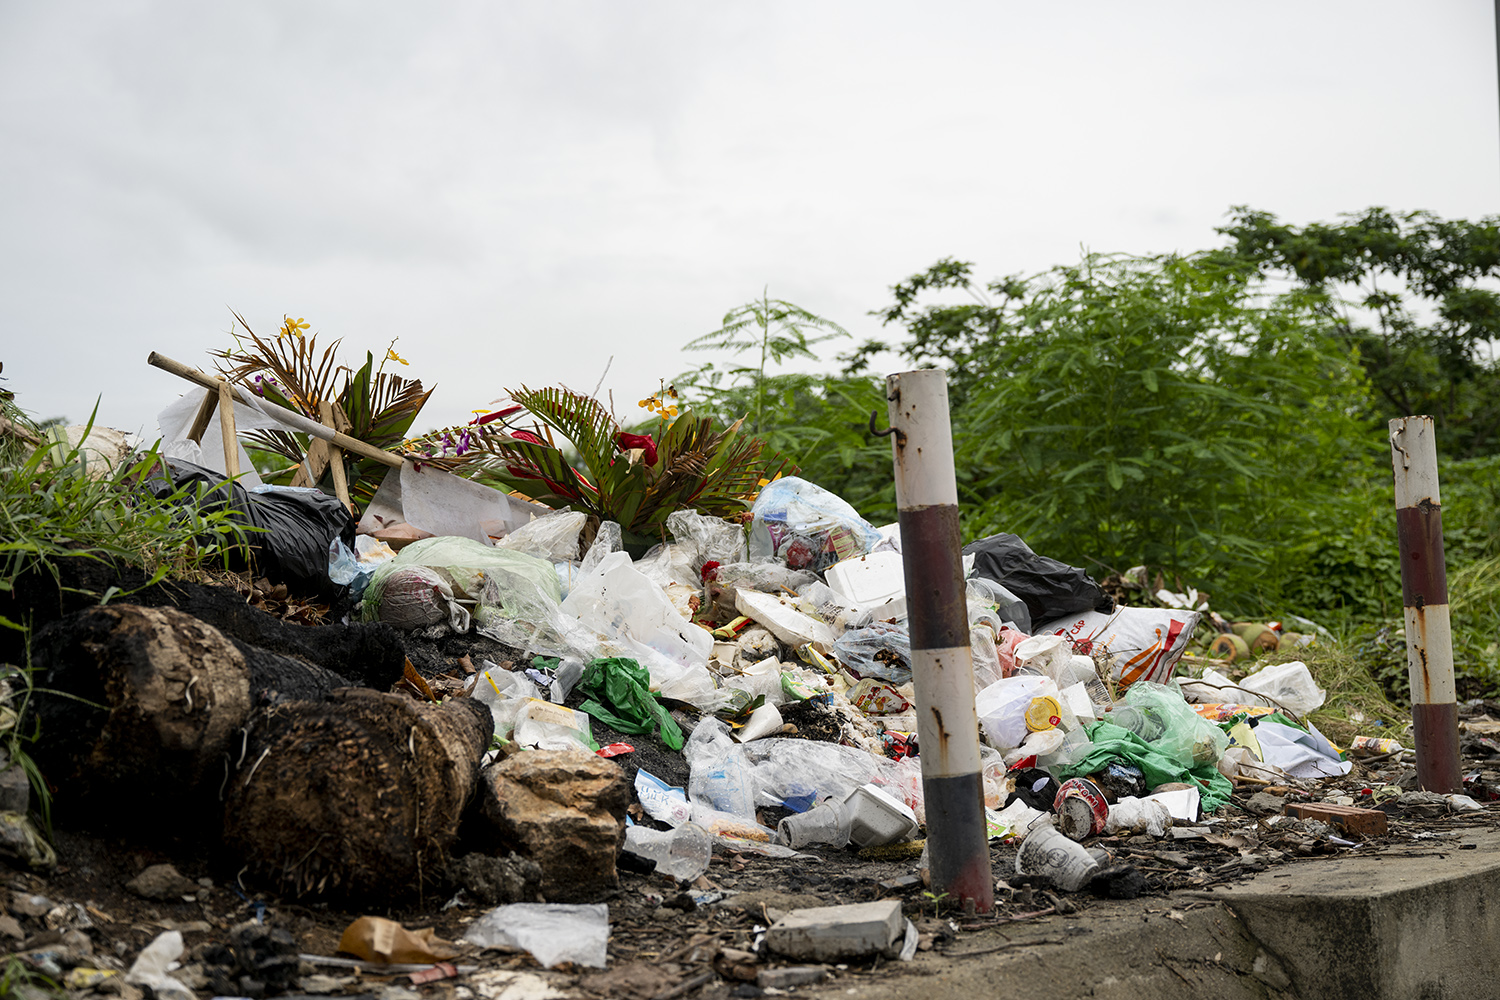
x=299 y=525
x=1050 y=588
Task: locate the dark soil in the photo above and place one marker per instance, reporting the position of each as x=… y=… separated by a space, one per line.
x=665 y=937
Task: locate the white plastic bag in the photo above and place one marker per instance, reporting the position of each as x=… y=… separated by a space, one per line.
x=1144 y=643
x=1133 y=815
x=1290 y=685
x=1004 y=705
x=553 y=932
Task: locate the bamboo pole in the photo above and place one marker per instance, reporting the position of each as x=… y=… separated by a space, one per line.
x=335 y=456
x=227 y=431
x=290 y=417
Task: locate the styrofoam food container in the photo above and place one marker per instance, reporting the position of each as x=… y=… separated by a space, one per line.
x=876 y=817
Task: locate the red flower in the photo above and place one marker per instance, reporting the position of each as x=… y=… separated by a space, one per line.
x=497 y=414
x=528 y=437
x=642 y=441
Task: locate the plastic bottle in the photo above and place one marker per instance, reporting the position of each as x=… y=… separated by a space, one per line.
x=683 y=853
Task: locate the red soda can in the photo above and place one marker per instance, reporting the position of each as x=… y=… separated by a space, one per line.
x=1081 y=808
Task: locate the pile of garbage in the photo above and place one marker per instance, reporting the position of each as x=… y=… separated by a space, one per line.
x=709 y=641
x=740 y=688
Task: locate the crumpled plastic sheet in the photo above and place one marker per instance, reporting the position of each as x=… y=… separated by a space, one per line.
x=554 y=537
x=858 y=651
x=707 y=539
x=552 y=932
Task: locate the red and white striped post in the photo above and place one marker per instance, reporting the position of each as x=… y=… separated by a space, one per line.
x=1424 y=592
x=938 y=618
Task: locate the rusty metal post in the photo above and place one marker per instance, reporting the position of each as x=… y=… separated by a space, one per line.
x=1424 y=592
x=942 y=664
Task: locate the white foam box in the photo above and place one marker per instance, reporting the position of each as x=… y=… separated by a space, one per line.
x=785 y=623
x=877 y=817
x=876 y=583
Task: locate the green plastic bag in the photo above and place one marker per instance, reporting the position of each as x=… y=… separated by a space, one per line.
x=1114 y=743
x=619 y=695
x=1171 y=726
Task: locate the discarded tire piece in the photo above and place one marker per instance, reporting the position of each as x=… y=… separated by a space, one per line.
x=565 y=811
x=357 y=796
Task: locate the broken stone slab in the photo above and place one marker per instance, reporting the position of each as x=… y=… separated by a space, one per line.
x=785 y=623
x=789 y=976
x=830 y=933
x=564 y=810
x=15 y=790
x=161 y=882
x=1265 y=804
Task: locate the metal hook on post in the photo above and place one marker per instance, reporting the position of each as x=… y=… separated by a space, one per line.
x=900 y=434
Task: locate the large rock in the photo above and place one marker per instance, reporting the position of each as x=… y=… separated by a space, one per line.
x=565 y=811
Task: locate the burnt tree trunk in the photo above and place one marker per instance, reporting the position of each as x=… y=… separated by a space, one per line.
x=358 y=796
x=141 y=709
x=367 y=653
x=138 y=709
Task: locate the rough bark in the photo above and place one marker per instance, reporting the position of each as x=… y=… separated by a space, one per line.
x=357 y=797
x=139 y=710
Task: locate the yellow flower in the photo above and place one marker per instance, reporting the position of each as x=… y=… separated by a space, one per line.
x=292 y=327
x=391 y=355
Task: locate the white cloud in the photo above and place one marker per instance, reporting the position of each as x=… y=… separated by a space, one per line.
x=519 y=191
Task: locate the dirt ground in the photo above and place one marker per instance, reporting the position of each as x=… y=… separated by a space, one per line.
x=667 y=939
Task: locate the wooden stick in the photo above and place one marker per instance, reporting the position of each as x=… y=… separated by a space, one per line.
x=205 y=413
x=17 y=431
x=290 y=417
x=226 y=428
x=335 y=456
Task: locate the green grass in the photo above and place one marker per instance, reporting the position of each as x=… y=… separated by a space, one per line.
x=52 y=508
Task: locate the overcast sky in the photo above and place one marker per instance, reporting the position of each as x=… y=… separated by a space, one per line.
x=519 y=191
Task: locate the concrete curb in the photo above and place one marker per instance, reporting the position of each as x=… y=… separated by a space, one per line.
x=1372 y=928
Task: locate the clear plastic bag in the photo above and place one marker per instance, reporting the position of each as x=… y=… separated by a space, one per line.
x=1009 y=608
x=1133 y=815
x=882 y=650
x=616 y=600
x=726 y=581
x=552 y=932
x=1179 y=732
x=554 y=537
x=806 y=527
x=706 y=539
x=797 y=773
x=719 y=774
x=504 y=692
x=607 y=541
